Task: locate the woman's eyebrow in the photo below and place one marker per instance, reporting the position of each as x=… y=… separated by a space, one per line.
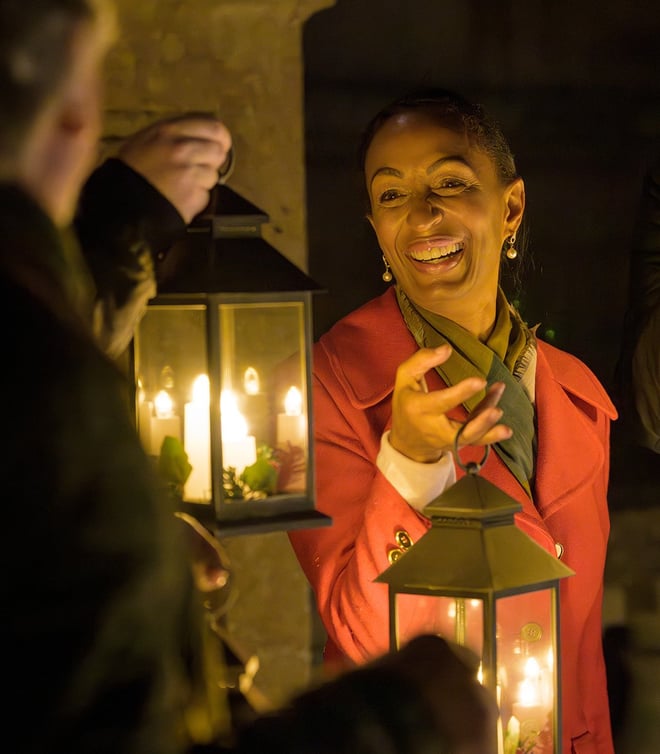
x=386 y=171
x=437 y=164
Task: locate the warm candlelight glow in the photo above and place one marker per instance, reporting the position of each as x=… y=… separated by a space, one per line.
x=291 y=425
x=234 y=425
x=197 y=440
x=164 y=423
x=534 y=703
x=163 y=405
x=201 y=389
x=251 y=382
x=530 y=688
x=293 y=402
x=238 y=448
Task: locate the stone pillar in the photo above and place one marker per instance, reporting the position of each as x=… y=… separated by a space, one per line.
x=241 y=59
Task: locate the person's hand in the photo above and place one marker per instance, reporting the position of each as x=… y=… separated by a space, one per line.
x=181 y=158
x=463 y=712
x=421 y=429
x=422 y=698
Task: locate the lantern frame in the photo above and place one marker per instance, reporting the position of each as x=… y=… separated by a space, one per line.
x=474 y=551
x=223 y=268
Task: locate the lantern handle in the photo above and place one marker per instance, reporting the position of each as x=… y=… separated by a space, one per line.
x=471 y=467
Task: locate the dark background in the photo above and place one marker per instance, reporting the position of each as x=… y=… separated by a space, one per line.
x=576 y=88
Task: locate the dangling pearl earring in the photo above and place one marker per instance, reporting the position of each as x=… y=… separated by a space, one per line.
x=511 y=252
x=387 y=275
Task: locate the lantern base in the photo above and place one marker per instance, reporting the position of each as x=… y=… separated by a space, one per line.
x=283 y=521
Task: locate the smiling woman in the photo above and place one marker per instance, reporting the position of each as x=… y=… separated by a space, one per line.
x=442 y=349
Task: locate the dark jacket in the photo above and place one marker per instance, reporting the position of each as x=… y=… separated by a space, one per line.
x=96 y=590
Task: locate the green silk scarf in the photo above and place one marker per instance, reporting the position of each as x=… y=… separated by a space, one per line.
x=507 y=356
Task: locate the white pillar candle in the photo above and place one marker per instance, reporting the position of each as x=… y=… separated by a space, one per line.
x=197 y=441
x=529 y=709
x=291 y=425
x=238 y=448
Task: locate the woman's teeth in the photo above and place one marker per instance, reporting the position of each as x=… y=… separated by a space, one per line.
x=436 y=253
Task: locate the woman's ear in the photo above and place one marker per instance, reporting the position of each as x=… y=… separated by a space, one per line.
x=515 y=205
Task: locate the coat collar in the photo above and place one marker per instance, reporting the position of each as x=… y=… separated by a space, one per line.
x=568 y=394
x=376 y=335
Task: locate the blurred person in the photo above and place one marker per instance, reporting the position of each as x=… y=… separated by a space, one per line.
x=101 y=610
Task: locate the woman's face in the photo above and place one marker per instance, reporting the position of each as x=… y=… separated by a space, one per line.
x=441 y=216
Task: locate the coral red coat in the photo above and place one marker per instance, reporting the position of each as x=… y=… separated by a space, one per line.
x=354 y=370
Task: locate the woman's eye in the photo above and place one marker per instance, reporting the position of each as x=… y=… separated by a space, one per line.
x=452 y=184
x=391 y=195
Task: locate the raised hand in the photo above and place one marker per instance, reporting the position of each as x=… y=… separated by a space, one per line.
x=181 y=157
x=421 y=429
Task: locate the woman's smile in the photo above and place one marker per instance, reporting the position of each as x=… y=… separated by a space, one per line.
x=434 y=250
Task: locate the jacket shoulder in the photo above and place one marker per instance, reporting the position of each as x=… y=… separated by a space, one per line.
x=363 y=350
x=576 y=377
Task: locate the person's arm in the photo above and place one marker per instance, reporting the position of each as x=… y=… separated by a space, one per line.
x=124 y=225
x=136 y=205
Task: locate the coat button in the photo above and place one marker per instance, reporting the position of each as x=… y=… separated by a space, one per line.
x=559 y=549
x=403 y=540
x=394 y=555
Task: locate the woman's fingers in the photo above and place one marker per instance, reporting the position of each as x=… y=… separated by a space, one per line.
x=421 y=427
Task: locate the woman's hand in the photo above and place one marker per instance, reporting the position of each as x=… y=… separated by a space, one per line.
x=421 y=429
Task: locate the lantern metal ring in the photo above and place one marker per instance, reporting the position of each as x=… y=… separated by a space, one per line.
x=471 y=467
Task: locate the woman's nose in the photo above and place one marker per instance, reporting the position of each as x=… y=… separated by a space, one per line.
x=424 y=210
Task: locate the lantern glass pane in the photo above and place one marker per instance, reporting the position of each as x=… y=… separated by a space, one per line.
x=526 y=654
x=457 y=619
x=170 y=355
x=263 y=408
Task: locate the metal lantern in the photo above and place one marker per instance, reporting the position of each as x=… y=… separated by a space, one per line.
x=221 y=364
x=478 y=580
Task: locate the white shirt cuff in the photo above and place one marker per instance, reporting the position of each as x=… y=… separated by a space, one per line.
x=418 y=483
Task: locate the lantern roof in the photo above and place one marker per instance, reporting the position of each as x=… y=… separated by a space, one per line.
x=474 y=547
x=223 y=252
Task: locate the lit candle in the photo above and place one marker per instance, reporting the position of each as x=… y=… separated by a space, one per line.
x=291 y=425
x=255 y=404
x=238 y=448
x=165 y=423
x=197 y=441
x=251 y=381
x=530 y=710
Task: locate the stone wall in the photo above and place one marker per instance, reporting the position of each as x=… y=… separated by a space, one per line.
x=242 y=60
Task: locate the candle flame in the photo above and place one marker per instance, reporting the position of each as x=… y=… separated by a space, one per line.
x=293 y=402
x=163 y=405
x=234 y=424
x=251 y=381
x=201 y=390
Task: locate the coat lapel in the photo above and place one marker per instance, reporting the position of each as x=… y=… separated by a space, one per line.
x=570 y=448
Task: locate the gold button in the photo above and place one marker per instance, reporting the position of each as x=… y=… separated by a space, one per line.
x=394 y=555
x=531 y=632
x=403 y=540
x=559 y=549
